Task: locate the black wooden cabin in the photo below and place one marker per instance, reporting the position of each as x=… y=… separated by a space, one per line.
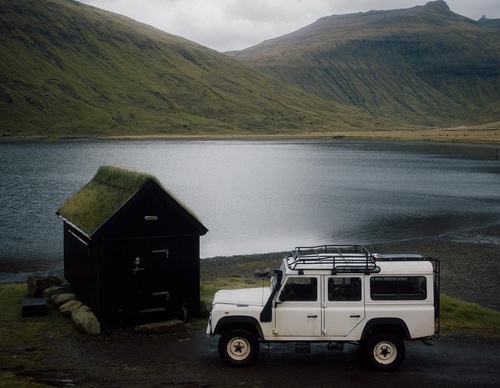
x=131 y=250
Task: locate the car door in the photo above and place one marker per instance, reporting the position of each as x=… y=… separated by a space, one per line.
x=297 y=310
x=343 y=306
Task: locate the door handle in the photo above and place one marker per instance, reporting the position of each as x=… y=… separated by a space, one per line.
x=355 y=316
x=312 y=316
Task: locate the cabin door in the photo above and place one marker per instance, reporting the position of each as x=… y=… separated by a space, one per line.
x=152 y=274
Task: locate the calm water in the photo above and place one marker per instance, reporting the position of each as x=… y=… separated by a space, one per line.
x=257 y=196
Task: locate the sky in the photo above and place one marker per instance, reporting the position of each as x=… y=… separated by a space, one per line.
x=226 y=25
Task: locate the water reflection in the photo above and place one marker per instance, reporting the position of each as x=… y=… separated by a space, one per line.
x=259 y=196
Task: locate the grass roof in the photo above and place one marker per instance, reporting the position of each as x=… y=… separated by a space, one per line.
x=99 y=199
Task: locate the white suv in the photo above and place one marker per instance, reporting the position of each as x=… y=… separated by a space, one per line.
x=333 y=294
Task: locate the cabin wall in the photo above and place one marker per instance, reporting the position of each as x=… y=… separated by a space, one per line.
x=150 y=274
x=81 y=267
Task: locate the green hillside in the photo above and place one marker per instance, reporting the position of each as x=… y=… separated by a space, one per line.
x=68 y=69
x=425 y=65
x=71 y=70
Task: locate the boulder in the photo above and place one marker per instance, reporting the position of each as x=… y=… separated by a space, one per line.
x=262 y=273
x=172 y=326
x=49 y=292
x=38 y=283
x=85 y=320
x=257 y=273
x=68 y=307
x=60 y=299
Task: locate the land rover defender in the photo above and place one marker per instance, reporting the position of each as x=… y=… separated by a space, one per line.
x=334 y=294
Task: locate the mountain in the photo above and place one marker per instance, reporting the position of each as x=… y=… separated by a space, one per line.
x=72 y=70
x=68 y=69
x=425 y=65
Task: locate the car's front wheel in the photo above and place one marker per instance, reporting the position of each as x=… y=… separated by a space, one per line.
x=385 y=351
x=238 y=347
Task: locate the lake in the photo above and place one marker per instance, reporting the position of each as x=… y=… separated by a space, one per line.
x=257 y=196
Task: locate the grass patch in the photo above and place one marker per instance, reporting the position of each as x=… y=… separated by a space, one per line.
x=10 y=380
x=458 y=317
x=102 y=196
x=99 y=199
x=18 y=331
x=23 y=340
x=208 y=289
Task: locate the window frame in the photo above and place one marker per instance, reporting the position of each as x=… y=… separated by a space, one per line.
x=350 y=295
x=417 y=283
x=292 y=292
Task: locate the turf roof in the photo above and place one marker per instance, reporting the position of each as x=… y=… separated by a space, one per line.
x=99 y=199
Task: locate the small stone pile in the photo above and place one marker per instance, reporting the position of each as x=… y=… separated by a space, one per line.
x=53 y=290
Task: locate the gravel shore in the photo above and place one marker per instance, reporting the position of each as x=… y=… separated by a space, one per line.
x=469 y=271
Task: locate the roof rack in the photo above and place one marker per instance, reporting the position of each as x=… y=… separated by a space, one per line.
x=337 y=257
x=398 y=257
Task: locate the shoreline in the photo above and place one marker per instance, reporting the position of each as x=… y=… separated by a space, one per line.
x=469 y=270
x=463 y=137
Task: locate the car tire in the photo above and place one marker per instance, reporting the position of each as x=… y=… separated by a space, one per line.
x=385 y=351
x=238 y=347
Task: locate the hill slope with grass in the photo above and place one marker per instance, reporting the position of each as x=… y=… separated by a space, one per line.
x=425 y=65
x=68 y=69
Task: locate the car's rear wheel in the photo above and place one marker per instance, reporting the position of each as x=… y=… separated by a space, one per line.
x=238 y=347
x=385 y=351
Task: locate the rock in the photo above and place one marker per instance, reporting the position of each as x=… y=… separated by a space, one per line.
x=257 y=273
x=262 y=273
x=38 y=283
x=49 y=292
x=60 y=299
x=85 y=320
x=172 y=326
x=68 y=307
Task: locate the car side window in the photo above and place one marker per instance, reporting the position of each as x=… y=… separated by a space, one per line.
x=398 y=288
x=344 y=289
x=300 y=289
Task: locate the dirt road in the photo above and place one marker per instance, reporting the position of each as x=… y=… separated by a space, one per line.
x=191 y=360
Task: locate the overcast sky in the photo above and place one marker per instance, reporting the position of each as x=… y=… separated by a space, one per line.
x=237 y=24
